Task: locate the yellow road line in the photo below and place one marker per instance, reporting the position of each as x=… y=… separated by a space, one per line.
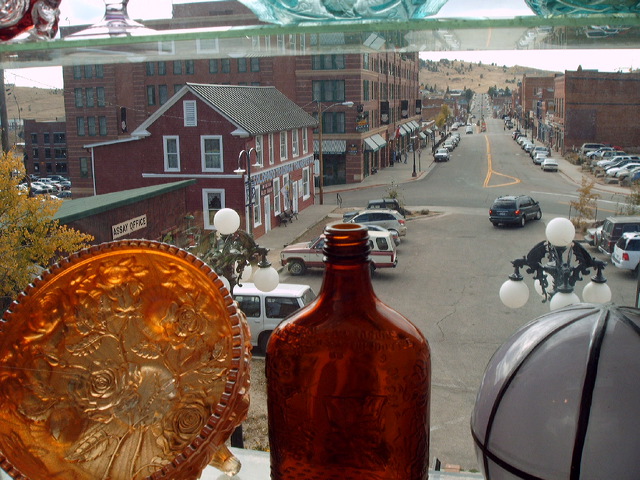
x=491 y=172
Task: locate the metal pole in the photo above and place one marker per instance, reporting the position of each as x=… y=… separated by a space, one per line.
x=414 y=174
x=4 y=121
x=320 y=157
x=250 y=193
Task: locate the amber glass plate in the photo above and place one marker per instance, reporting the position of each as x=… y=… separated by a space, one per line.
x=128 y=360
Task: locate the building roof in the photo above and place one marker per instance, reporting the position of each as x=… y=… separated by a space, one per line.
x=256 y=109
x=253 y=110
x=72 y=210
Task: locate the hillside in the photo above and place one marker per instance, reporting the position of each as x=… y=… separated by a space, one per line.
x=479 y=77
x=35 y=103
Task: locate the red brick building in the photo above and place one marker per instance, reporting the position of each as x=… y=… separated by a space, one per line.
x=107 y=102
x=592 y=106
x=201 y=133
x=537 y=97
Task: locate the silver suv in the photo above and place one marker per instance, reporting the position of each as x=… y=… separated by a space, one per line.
x=626 y=253
x=389 y=219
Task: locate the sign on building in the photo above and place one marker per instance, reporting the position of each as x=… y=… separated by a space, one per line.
x=125 y=228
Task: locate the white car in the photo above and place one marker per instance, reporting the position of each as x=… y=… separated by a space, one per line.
x=549 y=164
x=626 y=252
x=627 y=168
x=539 y=158
x=613 y=171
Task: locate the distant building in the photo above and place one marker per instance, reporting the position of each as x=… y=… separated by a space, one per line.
x=45 y=148
x=199 y=133
x=537 y=97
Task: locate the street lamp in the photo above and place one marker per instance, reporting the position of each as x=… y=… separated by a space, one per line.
x=320 y=157
x=249 y=192
x=566 y=262
x=414 y=174
x=235 y=251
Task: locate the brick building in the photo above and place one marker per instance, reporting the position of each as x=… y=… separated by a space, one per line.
x=537 y=97
x=592 y=106
x=199 y=134
x=107 y=102
x=45 y=149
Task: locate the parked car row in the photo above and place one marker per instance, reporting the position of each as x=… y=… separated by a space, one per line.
x=442 y=154
x=54 y=185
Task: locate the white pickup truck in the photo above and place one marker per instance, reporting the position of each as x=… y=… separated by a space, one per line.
x=300 y=256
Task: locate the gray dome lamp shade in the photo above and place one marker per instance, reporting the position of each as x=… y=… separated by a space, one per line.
x=561 y=398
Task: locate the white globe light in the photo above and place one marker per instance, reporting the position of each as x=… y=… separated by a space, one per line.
x=561 y=300
x=246 y=273
x=560 y=232
x=514 y=294
x=550 y=285
x=226 y=283
x=596 y=293
x=226 y=221
x=266 y=279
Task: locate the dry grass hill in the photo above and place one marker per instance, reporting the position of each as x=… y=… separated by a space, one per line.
x=35 y=103
x=479 y=77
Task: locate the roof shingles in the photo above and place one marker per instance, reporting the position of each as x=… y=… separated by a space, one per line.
x=257 y=110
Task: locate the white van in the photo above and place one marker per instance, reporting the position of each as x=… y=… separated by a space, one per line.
x=265 y=310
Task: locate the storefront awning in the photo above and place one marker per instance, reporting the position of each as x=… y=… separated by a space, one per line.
x=370 y=145
x=404 y=130
x=423 y=136
x=428 y=131
x=379 y=140
x=414 y=124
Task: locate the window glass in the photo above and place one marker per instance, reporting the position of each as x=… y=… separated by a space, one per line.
x=90 y=97
x=171 y=153
x=177 y=67
x=150 y=69
x=213 y=65
x=211 y=153
x=382 y=243
x=91 y=126
x=213 y=200
x=249 y=304
x=162 y=68
x=280 y=307
x=101 y=96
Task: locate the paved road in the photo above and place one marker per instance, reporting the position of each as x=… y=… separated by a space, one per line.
x=451 y=267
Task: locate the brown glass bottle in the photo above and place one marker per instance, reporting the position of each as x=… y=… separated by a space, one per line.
x=348 y=379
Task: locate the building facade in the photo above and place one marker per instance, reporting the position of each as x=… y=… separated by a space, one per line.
x=248 y=148
x=107 y=102
x=592 y=106
x=45 y=149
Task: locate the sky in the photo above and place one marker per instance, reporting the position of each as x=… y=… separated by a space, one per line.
x=77 y=12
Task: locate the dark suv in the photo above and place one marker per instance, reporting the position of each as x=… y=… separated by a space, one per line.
x=515 y=209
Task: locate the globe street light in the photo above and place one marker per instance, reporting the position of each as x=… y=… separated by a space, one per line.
x=235 y=251
x=320 y=155
x=555 y=280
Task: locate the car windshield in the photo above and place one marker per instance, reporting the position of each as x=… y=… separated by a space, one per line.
x=504 y=204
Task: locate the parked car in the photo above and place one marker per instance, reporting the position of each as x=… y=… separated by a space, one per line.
x=449 y=145
x=469 y=129
x=590 y=147
x=598 y=153
x=593 y=235
x=538 y=149
x=613 y=228
x=300 y=256
x=441 y=155
x=626 y=252
x=389 y=219
x=627 y=167
x=265 y=310
x=539 y=158
x=64 y=194
x=549 y=165
x=387 y=203
x=378 y=228
x=514 y=209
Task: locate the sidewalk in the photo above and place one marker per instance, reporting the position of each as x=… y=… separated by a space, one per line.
x=279 y=236
x=574 y=173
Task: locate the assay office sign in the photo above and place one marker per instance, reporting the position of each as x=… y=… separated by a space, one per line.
x=125 y=228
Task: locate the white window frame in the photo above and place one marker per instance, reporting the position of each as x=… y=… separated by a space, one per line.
x=295 y=142
x=284 y=146
x=271 y=151
x=305 y=140
x=208 y=223
x=203 y=153
x=207 y=45
x=306 y=185
x=280 y=43
x=190 y=112
x=277 y=201
x=165 y=139
x=166 y=47
x=257 y=207
x=286 y=190
x=260 y=150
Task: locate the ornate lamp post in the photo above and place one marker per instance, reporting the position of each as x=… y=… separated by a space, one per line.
x=235 y=251
x=249 y=190
x=556 y=265
x=414 y=173
x=320 y=155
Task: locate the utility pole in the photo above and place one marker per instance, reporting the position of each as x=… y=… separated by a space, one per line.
x=4 y=121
